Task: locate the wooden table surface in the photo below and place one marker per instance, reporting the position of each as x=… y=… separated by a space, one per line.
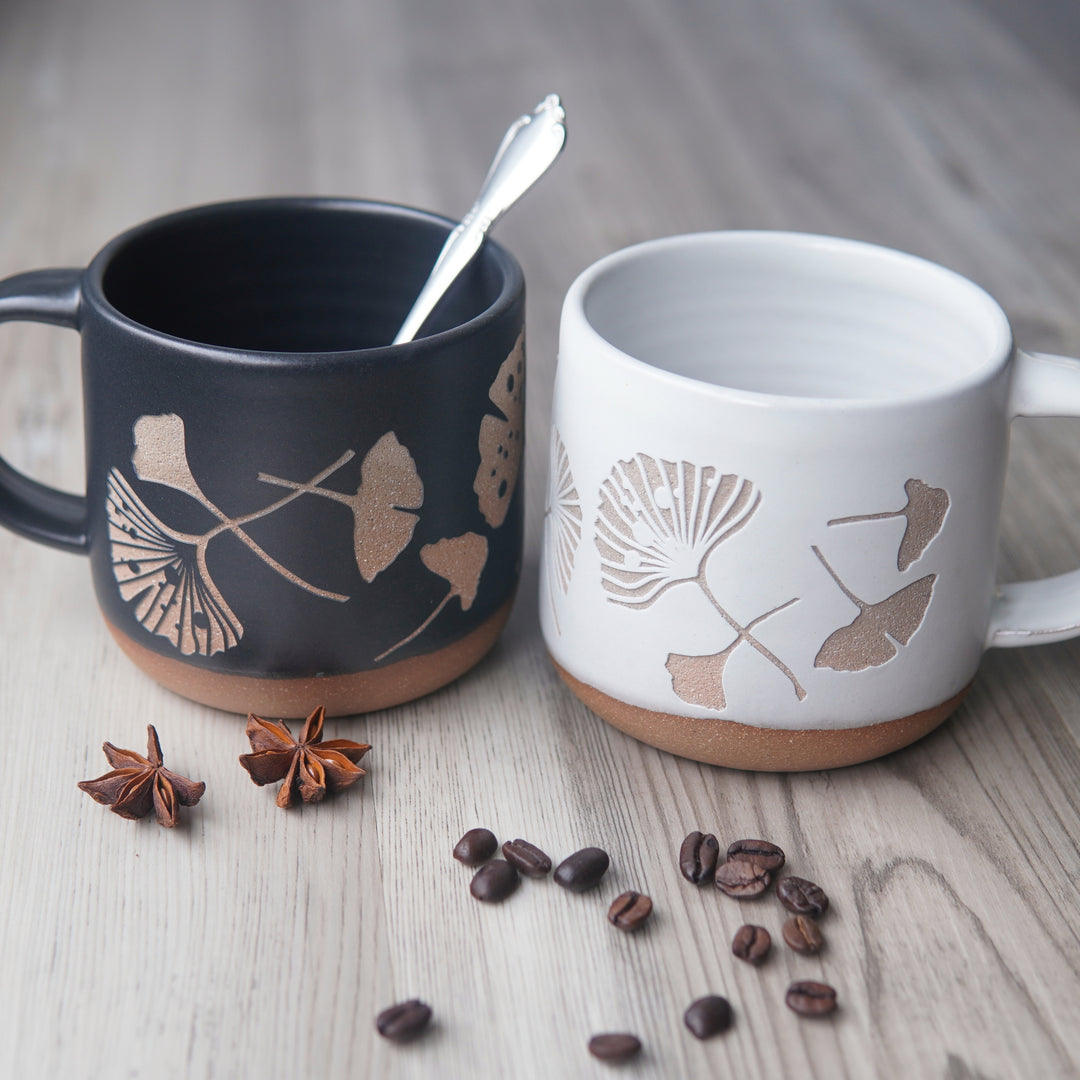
x=254 y=942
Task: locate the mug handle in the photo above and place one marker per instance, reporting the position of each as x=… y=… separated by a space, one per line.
x=26 y=507
x=1046 y=610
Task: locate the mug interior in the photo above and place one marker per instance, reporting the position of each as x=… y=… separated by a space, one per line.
x=795 y=315
x=291 y=275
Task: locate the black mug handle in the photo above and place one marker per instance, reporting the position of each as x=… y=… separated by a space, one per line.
x=26 y=507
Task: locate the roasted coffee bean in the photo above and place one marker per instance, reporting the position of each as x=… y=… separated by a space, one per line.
x=752 y=944
x=582 y=870
x=698 y=857
x=809 y=998
x=528 y=858
x=803 y=934
x=760 y=851
x=403 y=1022
x=476 y=847
x=708 y=1016
x=494 y=881
x=742 y=879
x=802 y=897
x=629 y=910
x=615 y=1047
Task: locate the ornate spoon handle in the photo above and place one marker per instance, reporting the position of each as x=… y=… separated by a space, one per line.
x=527 y=151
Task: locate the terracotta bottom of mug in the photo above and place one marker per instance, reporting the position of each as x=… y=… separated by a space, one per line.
x=741 y=746
x=343 y=695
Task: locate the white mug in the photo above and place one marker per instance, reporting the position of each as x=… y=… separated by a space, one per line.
x=776 y=475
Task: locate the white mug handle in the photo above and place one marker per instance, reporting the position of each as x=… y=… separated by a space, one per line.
x=1038 y=612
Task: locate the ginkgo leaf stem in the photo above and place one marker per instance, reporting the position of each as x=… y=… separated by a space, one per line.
x=860 y=604
x=867 y=517
x=233 y=525
x=419 y=630
x=745 y=635
x=309 y=488
x=554 y=611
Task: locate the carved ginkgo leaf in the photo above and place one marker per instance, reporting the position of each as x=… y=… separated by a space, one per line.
x=163 y=575
x=562 y=517
x=699 y=680
x=390 y=487
x=868 y=640
x=856 y=647
x=661 y=520
x=502 y=441
x=160 y=454
x=460 y=560
x=925 y=512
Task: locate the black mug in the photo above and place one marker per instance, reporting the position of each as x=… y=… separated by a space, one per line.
x=282 y=510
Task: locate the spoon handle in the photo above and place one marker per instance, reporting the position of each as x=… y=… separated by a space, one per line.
x=527 y=150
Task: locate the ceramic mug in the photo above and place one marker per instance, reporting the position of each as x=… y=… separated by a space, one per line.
x=281 y=509
x=776 y=475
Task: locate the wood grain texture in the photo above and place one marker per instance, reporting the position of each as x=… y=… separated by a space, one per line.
x=253 y=942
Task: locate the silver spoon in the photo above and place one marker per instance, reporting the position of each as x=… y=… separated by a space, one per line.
x=527 y=150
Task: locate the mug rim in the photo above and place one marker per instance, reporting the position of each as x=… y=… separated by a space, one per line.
x=513 y=281
x=575 y=321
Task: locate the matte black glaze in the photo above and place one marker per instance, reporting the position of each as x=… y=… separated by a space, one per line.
x=259 y=323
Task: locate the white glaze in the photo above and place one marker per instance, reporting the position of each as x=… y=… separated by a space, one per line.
x=830 y=374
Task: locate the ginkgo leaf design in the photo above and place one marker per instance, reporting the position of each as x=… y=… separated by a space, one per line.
x=699 y=680
x=925 y=511
x=868 y=640
x=562 y=525
x=160 y=457
x=163 y=574
x=562 y=520
x=502 y=442
x=661 y=520
x=460 y=560
x=389 y=488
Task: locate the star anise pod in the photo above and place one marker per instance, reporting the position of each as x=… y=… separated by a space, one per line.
x=138 y=783
x=308 y=765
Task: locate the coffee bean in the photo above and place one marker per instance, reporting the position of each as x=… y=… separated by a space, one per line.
x=629 y=910
x=809 y=998
x=708 y=1016
x=803 y=934
x=752 y=944
x=802 y=897
x=401 y=1023
x=528 y=858
x=476 y=847
x=698 y=856
x=582 y=870
x=760 y=851
x=742 y=879
x=615 y=1047
x=494 y=881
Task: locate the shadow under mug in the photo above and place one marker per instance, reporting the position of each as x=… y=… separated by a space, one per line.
x=281 y=509
x=776 y=476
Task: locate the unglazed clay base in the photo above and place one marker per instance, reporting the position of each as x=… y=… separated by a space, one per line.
x=740 y=746
x=343 y=695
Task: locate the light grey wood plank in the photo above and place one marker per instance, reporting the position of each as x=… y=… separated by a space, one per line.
x=258 y=942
